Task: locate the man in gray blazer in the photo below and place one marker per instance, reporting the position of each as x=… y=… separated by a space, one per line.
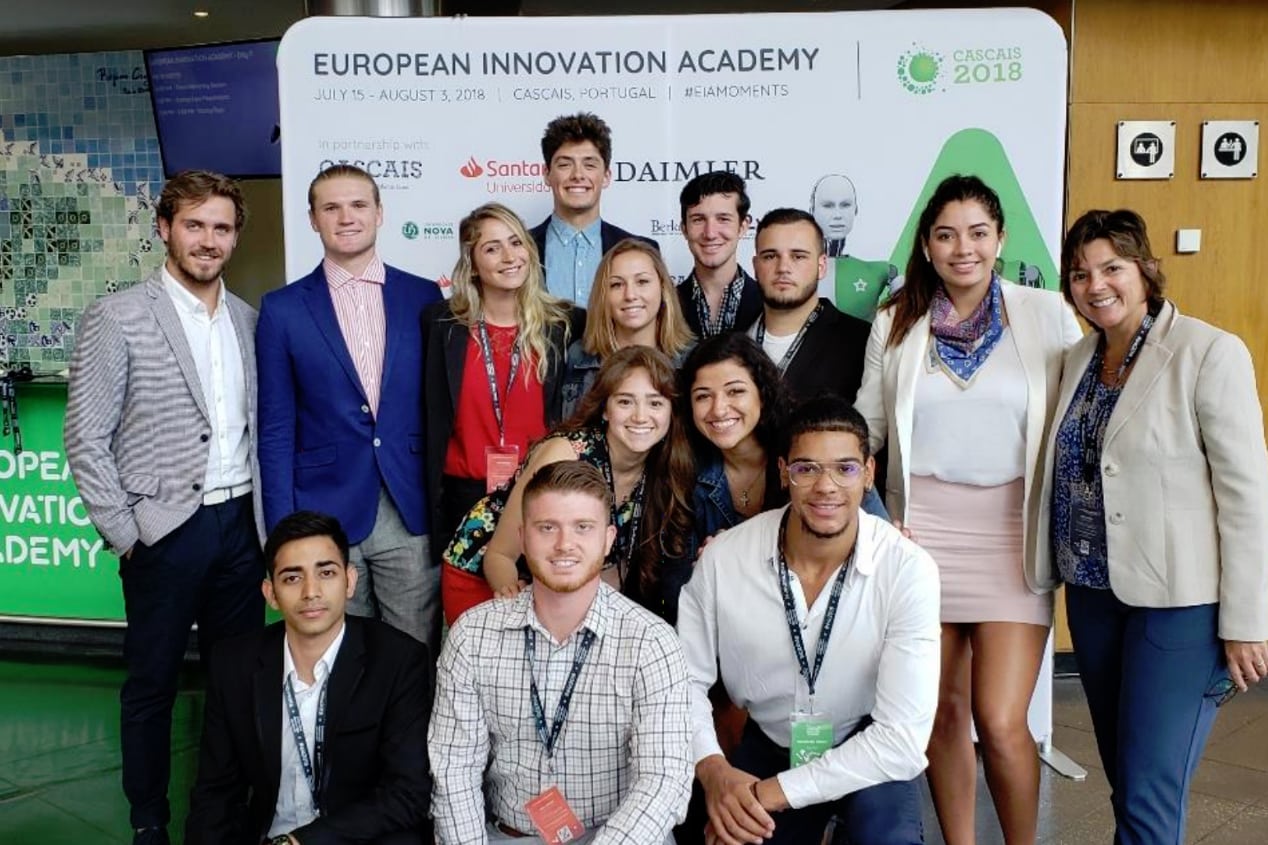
x=160 y=437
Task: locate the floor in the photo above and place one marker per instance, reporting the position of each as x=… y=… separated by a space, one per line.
x=59 y=765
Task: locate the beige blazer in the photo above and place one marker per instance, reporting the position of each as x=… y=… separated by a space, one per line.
x=1185 y=476
x=1043 y=327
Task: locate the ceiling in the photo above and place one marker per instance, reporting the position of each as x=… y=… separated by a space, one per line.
x=36 y=27
x=71 y=26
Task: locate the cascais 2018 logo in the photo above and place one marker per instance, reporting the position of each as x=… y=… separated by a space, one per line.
x=919 y=70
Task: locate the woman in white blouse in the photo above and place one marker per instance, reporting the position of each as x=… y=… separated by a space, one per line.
x=961 y=380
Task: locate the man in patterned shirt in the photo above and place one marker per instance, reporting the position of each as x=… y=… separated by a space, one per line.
x=570 y=701
x=718 y=295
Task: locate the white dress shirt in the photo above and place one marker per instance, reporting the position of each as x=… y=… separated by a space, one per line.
x=882 y=657
x=213 y=342
x=295 y=805
x=622 y=759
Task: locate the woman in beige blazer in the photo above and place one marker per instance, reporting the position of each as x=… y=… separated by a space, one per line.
x=961 y=379
x=1156 y=518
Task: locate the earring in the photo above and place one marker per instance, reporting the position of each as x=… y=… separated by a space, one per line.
x=926 y=254
x=999 y=250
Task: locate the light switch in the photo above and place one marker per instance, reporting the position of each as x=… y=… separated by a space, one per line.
x=1188 y=240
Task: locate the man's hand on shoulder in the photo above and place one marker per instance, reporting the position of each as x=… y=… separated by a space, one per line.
x=736 y=813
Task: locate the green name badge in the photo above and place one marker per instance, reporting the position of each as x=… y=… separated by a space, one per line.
x=811 y=738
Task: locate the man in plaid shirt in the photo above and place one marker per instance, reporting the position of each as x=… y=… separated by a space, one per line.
x=569 y=704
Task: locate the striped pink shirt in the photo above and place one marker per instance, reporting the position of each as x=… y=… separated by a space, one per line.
x=358 y=304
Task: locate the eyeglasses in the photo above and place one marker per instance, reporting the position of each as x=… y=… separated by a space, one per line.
x=1221 y=692
x=806 y=473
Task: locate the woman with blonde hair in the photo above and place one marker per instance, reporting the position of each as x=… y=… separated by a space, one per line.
x=493 y=366
x=632 y=303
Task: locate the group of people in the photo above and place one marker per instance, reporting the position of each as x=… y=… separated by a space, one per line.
x=564 y=485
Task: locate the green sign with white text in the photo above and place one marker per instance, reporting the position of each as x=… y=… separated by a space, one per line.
x=53 y=563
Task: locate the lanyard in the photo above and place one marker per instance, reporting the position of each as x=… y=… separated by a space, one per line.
x=794 y=627
x=623 y=550
x=727 y=308
x=565 y=698
x=1095 y=416
x=486 y=352
x=796 y=344
x=311 y=765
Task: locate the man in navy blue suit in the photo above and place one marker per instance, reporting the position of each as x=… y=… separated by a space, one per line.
x=341 y=409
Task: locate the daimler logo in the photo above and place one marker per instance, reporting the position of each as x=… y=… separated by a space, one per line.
x=684 y=171
x=471 y=169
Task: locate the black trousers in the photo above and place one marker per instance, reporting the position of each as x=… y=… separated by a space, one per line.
x=207 y=571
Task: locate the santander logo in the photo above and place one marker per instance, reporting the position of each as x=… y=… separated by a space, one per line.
x=444 y=283
x=471 y=169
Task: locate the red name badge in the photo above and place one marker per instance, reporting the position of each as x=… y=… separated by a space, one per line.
x=554 y=819
x=500 y=464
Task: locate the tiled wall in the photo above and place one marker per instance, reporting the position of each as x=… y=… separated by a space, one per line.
x=79 y=172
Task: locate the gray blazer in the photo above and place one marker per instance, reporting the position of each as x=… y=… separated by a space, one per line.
x=137 y=427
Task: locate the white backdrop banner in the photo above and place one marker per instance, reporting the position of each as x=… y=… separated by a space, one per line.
x=448 y=113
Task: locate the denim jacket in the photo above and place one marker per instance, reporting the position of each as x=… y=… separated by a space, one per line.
x=580 y=370
x=714 y=510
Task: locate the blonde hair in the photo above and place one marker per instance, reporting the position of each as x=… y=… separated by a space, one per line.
x=673 y=335
x=537 y=311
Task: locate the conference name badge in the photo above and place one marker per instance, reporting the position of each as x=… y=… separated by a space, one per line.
x=555 y=821
x=811 y=737
x=500 y=464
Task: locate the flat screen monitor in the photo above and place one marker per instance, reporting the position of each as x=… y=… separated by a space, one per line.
x=215 y=107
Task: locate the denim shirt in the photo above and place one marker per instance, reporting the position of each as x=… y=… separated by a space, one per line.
x=715 y=511
x=580 y=370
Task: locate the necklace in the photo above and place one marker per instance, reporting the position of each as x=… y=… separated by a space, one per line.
x=746 y=492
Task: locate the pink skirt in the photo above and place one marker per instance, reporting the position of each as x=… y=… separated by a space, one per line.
x=974 y=534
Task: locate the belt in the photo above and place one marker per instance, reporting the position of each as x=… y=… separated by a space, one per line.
x=223 y=494
x=510 y=831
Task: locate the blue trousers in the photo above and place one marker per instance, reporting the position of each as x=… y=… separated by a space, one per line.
x=885 y=814
x=1146 y=672
x=207 y=571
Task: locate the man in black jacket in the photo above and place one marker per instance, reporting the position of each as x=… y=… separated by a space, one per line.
x=314 y=730
x=817 y=348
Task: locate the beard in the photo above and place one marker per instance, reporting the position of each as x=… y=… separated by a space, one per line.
x=793 y=301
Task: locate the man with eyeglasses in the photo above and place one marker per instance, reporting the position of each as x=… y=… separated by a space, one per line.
x=822 y=622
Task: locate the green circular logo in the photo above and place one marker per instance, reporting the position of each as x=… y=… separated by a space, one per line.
x=410 y=230
x=919 y=69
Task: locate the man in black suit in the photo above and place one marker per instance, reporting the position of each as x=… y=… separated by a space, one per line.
x=577 y=150
x=817 y=348
x=314 y=731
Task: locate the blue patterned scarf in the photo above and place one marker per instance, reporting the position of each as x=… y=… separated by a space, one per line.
x=961 y=347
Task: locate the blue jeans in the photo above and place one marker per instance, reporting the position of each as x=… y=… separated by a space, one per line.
x=1145 y=672
x=885 y=814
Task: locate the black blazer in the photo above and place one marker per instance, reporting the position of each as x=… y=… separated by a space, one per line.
x=750 y=304
x=609 y=236
x=375 y=781
x=444 y=356
x=831 y=356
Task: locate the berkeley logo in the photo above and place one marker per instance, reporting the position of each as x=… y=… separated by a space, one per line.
x=919 y=70
x=471 y=169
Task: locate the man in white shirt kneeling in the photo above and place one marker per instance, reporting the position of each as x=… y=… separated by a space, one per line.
x=822 y=622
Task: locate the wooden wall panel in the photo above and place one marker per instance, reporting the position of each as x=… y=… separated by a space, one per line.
x=1170 y=51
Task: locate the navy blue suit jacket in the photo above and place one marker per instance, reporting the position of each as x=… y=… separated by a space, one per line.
x=320 y=447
